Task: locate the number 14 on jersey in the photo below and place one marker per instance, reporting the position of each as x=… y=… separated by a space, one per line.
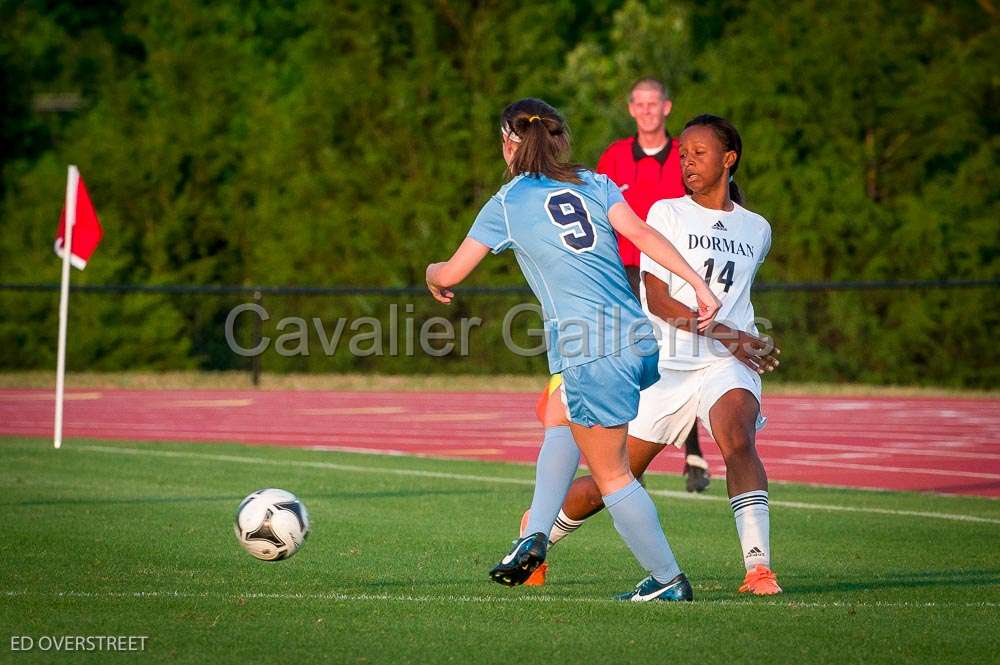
x=725 y=276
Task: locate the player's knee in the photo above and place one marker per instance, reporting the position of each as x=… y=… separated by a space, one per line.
x=594 y=501
x=736 y=443
x=610 y=483
x=585 y=497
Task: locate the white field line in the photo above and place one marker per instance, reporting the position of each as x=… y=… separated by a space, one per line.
x=916 y=470
x=310 y=437
x=957 y=517
x=517 y=436
x=840 y=456
x=876 y=450
x=480 y=600
x=718 y=472
x=233 y=432
x=530 y=429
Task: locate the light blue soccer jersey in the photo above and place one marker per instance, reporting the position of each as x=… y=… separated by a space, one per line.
x=568 y=252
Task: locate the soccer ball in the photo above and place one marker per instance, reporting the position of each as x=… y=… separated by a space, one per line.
x=271 y=524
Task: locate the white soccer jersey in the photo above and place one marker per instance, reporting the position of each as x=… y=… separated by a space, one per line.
x=726 y=248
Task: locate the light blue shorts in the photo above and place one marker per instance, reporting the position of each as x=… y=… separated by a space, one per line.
x=605 y=391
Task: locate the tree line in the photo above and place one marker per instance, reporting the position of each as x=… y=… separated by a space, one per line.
x=316 y=143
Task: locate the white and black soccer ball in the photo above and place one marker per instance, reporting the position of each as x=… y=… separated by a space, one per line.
x=271 y=524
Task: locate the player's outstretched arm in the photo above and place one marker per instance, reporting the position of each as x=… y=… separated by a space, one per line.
x=757 y=353
x=651 y=243
x=442 y=276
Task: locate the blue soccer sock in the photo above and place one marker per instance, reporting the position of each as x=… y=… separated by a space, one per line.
x=557 y=464
x=639 y=526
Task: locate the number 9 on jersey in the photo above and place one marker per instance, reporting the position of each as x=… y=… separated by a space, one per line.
x=568 y=211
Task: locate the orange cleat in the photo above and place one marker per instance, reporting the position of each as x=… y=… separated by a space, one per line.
x=537 y=578
x=760 y=582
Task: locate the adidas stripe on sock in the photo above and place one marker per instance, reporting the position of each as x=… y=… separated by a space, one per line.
x=564 y=526
x=753 y=526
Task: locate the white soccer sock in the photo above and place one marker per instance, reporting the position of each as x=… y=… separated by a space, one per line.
x=753 y=525
x=696 y=461
x=563 y=527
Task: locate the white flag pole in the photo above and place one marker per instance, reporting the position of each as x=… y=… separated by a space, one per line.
x=72 y=179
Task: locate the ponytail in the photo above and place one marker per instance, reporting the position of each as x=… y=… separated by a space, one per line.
x=543 y=141
x=735 y=195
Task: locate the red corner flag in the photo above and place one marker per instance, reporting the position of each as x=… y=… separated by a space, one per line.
x=87 y=230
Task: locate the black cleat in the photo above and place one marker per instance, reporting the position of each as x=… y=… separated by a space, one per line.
x=677 y=589
x=696 y=472
x=527 y=555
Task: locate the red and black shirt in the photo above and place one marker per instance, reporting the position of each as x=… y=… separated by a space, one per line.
x=644 y=180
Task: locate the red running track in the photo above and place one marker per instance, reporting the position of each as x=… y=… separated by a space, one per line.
x=925 y=444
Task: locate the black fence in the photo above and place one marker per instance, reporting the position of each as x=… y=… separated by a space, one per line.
x=903 y=332
x=209 y=289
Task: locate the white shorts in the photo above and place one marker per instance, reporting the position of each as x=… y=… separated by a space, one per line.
x=668 y=409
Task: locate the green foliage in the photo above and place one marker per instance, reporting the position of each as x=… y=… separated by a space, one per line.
x=311 y=143
x=870 y=145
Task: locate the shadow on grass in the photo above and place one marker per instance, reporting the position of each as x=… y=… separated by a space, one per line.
x=475 y=584
x=902 y=580
x=231 y=498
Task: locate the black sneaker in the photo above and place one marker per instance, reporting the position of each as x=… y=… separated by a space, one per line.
x=516 y=567
x=677 y=589
x=696 y=472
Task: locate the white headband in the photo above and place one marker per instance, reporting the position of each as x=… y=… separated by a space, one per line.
x=509 y=134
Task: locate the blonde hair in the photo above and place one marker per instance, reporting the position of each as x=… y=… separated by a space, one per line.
x=649 y=83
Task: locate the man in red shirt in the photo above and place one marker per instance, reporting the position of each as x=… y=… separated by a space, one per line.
x=647 y=168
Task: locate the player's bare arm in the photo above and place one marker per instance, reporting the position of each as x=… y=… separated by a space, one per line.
x=442 y=276
x=651 y=243
x=759 y=354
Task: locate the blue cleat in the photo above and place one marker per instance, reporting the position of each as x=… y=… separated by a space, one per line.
x=677 y=589
x=527 y=555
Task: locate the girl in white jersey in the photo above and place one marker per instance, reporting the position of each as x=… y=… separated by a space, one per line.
x=711 y=375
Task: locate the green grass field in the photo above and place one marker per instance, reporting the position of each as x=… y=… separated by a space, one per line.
x=136 y=538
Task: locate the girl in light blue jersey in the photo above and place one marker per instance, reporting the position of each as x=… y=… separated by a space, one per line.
x=560 y=220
